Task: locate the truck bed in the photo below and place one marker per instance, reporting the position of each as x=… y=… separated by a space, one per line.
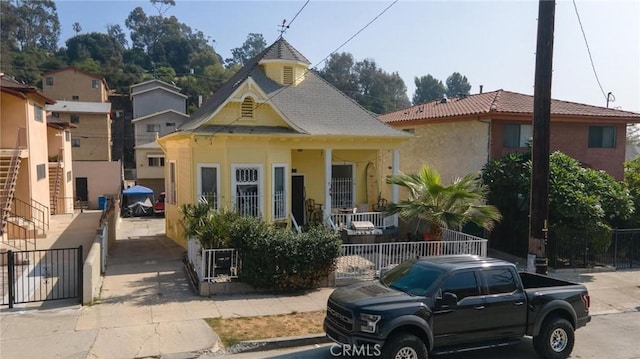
x=532 y=280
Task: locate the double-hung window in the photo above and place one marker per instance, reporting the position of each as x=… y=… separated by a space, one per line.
x=279 y=190
x=209 y=183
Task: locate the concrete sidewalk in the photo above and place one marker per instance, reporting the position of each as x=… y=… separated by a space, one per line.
x=147 y=309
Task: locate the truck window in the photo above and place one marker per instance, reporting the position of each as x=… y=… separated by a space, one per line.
x=500 y=280
x=411 y=277
x=462 y=284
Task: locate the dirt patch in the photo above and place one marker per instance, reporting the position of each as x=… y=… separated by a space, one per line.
x=234 y=330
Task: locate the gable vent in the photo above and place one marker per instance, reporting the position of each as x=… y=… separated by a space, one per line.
x=247 y=108
x=287 y=75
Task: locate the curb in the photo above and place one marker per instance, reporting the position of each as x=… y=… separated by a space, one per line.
x=277 y=343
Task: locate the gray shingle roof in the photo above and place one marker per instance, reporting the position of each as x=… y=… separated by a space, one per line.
x=282 y=50
x=313 y=106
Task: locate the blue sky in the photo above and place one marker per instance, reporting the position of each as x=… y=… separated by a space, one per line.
x=491 y=42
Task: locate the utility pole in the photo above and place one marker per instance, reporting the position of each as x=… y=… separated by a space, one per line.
x=539 y=225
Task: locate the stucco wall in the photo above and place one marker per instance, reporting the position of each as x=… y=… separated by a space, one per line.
x=37 y=145
x=69 y=83
x=454 y=149
x=103 y=177
x=144 y=171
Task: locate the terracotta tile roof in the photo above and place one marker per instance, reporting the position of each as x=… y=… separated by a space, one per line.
x=499 y=102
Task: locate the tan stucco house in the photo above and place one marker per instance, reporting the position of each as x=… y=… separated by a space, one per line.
x=459 y=135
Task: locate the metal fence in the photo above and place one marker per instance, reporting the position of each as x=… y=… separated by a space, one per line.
x=210 y=264
x=579 y=251
x=248 y=204
x=41 y=275
x=356 y=261
x=363 y=261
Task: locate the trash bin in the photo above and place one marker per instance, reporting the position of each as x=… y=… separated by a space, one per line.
x=102 y=203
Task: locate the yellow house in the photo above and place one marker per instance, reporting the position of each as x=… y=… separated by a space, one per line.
x=279 y=142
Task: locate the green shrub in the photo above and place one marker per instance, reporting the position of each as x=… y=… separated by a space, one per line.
x=283 y=260
x=211 y=227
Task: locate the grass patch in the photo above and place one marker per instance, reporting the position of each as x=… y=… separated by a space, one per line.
x=234 y=330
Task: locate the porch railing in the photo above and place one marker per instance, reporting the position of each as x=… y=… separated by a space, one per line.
x=379 y=219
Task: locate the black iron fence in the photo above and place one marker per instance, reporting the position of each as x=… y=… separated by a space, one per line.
x=580 y=251
x=40 y=275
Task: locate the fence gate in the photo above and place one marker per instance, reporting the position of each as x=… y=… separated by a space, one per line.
x=41 y=275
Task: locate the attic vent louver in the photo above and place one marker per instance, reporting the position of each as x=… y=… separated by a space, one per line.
x=247 y=108
x=287 y=75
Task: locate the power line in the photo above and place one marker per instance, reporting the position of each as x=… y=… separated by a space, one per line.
x=589 y=50
x=277 y=92
x=294 y=19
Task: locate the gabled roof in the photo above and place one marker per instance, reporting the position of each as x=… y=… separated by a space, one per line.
x=313 y=106
x=51 y=72
x=160 y=83
x=500 y=102
x=58 y=124
x=158 y=88
x=80 y=107
x=16 y=88
x=158 y=114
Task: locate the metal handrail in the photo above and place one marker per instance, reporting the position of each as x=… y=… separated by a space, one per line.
x=30 y=213
x=22 y=231
x=44 y=209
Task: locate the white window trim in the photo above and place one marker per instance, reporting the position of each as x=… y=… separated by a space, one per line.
x=273 y=190
x=199 y=180
x=172 y=196
x=234 y=184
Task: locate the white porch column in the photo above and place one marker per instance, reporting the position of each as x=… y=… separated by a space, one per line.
x=395 y=190
x=327 y=183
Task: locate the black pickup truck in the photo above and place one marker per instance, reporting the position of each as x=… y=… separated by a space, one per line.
x=448 y=304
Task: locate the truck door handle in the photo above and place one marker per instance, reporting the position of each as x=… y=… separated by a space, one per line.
x=518 y=303
x=479 y=307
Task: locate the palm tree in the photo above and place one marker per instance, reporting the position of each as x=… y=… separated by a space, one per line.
x=443 y=206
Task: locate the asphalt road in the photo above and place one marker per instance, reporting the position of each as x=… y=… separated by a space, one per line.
x=607 y=336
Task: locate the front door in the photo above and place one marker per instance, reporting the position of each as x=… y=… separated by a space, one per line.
x=297 y=198
x=82 y=192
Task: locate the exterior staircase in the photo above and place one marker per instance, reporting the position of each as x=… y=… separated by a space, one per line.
x=9 y=165
x=55 y=180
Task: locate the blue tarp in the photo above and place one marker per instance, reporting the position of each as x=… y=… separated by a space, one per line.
x=137 y=201
x=137 y=190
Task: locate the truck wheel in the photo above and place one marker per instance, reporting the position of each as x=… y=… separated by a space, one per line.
x=555 y=340
x=404 y=346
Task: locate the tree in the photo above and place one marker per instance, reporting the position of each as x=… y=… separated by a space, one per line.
x=457 y=85
x=443 y=206
x=252 y=46
x=632 y=179
x=39 y=25
x=166 y=41
x=339 y=71
x=77 y=28
x=583 y=202
x=428 y=89
x=115 y=31
x=100 y=47
x=373 y=88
